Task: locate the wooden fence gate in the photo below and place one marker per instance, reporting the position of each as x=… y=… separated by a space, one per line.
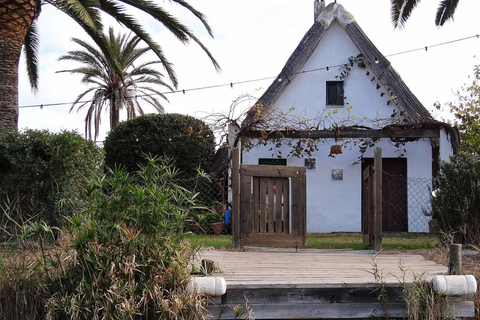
x=372 y=202
x=273 y=205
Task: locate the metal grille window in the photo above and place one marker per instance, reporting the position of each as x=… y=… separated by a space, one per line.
x=335 y=93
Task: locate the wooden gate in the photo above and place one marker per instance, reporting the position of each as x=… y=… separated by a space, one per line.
x=273 y=205
x=368 y=218
x=372 y=202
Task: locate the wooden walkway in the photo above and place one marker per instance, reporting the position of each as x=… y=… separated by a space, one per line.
x=316 y=284
x=311 y=268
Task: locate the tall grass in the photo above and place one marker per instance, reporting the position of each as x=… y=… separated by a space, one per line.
x=123 y=257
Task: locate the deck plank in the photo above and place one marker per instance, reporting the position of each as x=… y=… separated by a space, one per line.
x=318 y=269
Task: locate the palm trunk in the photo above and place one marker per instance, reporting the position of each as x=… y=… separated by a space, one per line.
x=16 y=17
x=115 y=112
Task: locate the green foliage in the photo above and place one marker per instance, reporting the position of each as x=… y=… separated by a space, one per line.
x=90 y=15
x=111 y=89
x=125 y=255
x=200 y=220
x=185 y=139
x=37 y=169
x=467 y=114
x=456 y=200
x=131 y=260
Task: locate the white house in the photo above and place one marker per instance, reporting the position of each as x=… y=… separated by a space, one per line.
x=337 y=81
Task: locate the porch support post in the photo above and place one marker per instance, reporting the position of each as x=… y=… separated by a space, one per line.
x=378 y=170
x=235 y=147
x=236 y=196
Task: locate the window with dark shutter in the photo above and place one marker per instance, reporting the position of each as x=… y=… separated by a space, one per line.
x=272 y=162
x=335 y=93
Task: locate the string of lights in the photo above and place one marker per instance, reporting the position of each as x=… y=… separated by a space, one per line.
x=231 y=84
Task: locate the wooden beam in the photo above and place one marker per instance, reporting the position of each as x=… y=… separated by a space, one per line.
x=345 y=133
x=455 y=259
x=236 y=195
x=271 y=171
x=377 y=189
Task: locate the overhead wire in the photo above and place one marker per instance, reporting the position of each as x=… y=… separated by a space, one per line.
x=232 y=84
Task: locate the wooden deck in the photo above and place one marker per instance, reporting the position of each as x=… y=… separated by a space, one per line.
x=312 y=268
x=317 y=284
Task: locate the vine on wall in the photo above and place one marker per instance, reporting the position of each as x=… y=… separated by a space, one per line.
x=268 y=119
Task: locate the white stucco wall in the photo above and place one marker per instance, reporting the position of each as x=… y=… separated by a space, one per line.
x=446 y=150
x=307 y=91
x=336 y=205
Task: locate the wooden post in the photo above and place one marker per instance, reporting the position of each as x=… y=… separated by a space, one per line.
x=236 y=195
x=378 y=170
x=455 y=260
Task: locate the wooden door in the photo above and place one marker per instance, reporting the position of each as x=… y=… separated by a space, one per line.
x=272 y=205
x=394 y=193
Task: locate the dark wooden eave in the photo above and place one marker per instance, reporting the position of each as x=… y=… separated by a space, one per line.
x=344 y=133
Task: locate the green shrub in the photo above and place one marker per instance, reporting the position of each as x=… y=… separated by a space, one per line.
x=124 y=256
x=37 y=169
x=456 y=200
x=185 y=139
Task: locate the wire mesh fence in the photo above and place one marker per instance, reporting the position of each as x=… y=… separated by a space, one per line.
x=208 y=215
x=406 y=203
x=209 y=191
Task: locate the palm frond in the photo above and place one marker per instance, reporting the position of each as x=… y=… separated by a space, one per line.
x=215 y=63
x=170 y=22
x=197 y=14
x=30 y=50
x=401 y=11
x=84 y=11
x=117 y=12
x=94 y=33
x=79 y=98
x=82 y=57
x=445 y=11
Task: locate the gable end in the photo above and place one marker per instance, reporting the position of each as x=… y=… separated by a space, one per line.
x=378 y=63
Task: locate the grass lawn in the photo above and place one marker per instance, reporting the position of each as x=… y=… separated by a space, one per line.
x=404 y=241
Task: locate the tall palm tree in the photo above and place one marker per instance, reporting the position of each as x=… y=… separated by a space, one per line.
x=401 y=10
x=115 y=88
x=17 y=30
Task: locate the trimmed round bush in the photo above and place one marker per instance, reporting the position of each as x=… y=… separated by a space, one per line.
x=186 y=140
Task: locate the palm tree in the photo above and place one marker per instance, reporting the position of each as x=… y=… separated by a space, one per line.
x=17 y=30
x=115 y=89
x=401 y=10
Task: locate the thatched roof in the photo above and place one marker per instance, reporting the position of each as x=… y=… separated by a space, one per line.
x=376 y=61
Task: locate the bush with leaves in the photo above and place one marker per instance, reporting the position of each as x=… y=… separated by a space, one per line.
x=125 y=258
x=37 y=169
x=456 y=198
x=466 y=111
x=185 y=139
x=130 y=259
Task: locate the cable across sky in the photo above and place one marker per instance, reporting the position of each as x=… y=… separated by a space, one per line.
x=231 y=84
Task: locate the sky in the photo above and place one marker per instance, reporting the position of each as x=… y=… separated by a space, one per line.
x=253 y=40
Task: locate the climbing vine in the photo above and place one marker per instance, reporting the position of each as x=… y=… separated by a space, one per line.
x=275 y=124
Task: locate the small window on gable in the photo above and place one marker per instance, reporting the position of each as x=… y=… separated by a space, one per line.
x=335 y=93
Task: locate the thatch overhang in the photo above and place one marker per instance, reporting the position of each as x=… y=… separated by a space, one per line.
x=376 y=61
